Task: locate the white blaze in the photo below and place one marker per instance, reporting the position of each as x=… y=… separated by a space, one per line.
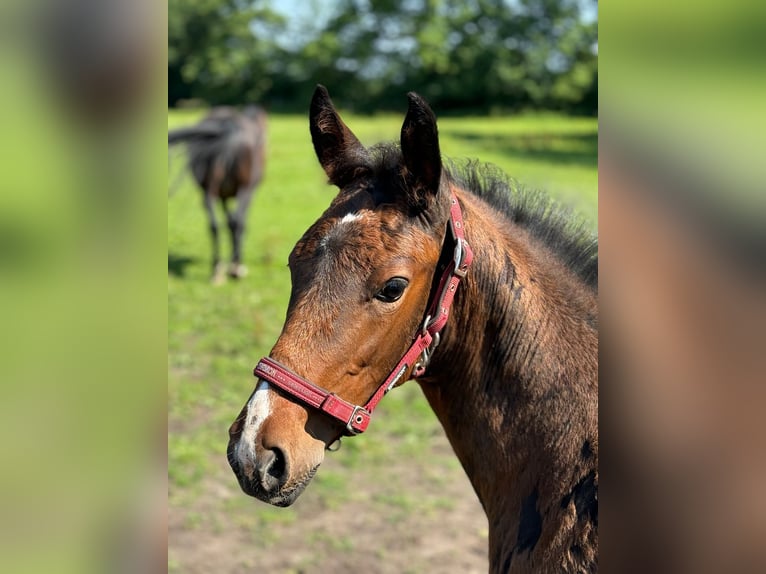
x=349 y=217
x=258 y=410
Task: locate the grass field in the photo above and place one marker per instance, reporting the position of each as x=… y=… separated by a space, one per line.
x=397 y=486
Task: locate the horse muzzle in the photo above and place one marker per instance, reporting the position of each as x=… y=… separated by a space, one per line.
x=265 y=473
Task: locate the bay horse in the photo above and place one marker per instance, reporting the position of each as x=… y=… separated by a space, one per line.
x=486 y=296
x=227 y=157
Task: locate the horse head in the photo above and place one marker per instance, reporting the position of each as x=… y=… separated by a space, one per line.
x=361 y=279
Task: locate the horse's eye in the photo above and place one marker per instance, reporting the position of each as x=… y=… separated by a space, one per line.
x=392 y=290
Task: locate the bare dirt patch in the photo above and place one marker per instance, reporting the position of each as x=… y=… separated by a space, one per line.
x=405 y=515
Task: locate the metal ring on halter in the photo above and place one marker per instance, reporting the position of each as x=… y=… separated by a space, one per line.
x=421 y=364
x=425 y=356
x=458 y=258
x=334 y=446
x=432 y=347
x=434 y=343
x=424 y=328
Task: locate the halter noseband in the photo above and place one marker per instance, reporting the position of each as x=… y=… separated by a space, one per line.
x=356 y=418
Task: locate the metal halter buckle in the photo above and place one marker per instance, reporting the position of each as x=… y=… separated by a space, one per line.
x=458 y=258
x=354 y=418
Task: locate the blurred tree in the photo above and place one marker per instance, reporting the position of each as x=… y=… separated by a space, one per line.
x=481 y=55
x=214 y=52
x=478 y=54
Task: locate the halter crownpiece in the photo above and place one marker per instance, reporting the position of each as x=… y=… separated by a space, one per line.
x=356 y=418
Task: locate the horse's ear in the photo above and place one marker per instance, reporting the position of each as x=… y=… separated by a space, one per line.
x=420 y=149
x=339 y=151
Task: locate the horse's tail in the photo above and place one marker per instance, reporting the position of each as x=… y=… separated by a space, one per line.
x=202 y=139
x=194 y=134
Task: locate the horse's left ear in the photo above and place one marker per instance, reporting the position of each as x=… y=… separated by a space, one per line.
x=420 y=149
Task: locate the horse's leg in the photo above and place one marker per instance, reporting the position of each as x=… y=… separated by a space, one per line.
x=218 y=271
x=230 y=222
x=237 y=228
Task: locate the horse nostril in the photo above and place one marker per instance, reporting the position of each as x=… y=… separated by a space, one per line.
x=278 y=466
x=272 y=468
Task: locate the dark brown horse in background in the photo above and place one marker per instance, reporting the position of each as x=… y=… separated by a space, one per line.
x=227 y=157
x=514 y=381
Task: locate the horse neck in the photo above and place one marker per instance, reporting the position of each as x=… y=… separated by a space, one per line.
x=514 y=383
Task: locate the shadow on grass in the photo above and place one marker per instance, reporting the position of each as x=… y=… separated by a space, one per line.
x=177 y=264
x=578 y=149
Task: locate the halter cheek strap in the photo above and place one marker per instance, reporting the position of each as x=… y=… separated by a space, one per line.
x=356 y=418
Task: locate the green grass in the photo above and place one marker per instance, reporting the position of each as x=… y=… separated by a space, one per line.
x=216 y=335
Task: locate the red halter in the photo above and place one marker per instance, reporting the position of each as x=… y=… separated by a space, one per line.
x=356 y=418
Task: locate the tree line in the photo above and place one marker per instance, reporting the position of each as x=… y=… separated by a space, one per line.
x=479 y=56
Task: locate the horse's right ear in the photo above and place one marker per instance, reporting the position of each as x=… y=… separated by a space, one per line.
x=339 y=151
x=420 y=150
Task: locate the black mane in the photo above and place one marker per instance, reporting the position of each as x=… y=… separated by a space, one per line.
x=562 y=231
